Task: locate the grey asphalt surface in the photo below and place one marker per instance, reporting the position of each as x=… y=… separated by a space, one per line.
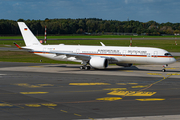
x=30 y=91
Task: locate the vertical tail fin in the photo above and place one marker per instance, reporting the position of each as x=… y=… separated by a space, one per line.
x=29 y=38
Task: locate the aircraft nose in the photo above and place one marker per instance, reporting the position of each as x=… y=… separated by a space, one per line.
x=173 y=60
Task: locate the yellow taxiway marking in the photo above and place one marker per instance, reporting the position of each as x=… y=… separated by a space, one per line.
x=157 y=74
x=154 y=74
x=151 y=99
x=39 y=85
x=171 y=68
x=89 y=84
x=5 y=104
x=139 y=86
x=121 y=83
x=33 y=86
x=34 y=92
x=91 y=118
x=33 y=105
x=49 y=104
x=173 y=74
x=22 y=84
x=77 y=114
x=63 y=111
x=109 y=98
x=126 y=83
x=51 y=107
x=132 y=93
x=115 y=89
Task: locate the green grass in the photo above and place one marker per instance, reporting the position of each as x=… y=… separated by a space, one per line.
x=168 y=45
x=23 y=56
x=164 y=44
x=11 y=37
x=88 y=36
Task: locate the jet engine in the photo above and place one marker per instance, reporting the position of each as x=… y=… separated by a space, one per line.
x=124 y=64
x=98 y=62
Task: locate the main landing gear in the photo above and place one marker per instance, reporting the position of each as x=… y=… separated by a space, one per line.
x=85 y=67
x=164 y=66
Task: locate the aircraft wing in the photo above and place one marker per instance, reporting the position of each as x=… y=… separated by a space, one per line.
x=83 y=57
x=75 y=55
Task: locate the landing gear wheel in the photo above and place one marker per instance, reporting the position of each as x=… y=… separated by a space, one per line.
x=164 y=66
x=87 y=67
x=82 y=67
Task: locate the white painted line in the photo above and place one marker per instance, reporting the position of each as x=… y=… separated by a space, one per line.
x=3 y=74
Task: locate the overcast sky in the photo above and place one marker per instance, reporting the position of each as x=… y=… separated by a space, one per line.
x=161 y=11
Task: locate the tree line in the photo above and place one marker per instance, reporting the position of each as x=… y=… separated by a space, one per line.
x=89 y=25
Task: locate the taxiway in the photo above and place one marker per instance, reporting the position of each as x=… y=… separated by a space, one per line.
x=30 y=91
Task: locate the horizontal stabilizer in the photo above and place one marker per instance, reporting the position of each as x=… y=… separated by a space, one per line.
x=17 y=45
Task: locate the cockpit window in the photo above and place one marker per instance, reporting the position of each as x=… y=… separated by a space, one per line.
x=167 y=54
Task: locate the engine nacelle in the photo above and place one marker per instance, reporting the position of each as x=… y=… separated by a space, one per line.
x=98 y=62
x=124 y=64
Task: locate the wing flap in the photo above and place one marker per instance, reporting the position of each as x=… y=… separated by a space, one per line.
x=75 y=55
x=83 y=56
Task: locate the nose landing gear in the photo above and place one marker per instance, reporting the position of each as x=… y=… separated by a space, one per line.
x=164 y=68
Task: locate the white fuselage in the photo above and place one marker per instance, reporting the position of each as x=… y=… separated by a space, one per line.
x=96 y=56
x=139 y=55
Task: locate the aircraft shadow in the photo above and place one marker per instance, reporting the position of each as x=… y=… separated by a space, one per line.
x=133 y=68
x=65 y=66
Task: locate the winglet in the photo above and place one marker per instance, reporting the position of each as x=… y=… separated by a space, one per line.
x=17 y=45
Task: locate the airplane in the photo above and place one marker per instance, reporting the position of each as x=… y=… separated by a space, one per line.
x=98 y=57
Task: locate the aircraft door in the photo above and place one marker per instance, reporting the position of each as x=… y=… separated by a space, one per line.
x=155 y=54
x=44 y=50
x=77 y=50
x=148 y=55
x=124 y=53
